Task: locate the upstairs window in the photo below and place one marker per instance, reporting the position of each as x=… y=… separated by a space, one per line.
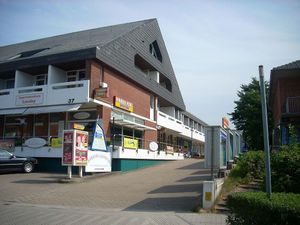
x=155 y=51
x=76 y=75
x=41 y=79
x=9 y=83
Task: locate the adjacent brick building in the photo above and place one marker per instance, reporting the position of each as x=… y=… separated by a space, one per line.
x=285 y=101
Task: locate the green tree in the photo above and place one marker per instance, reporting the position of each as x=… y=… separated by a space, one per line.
x=247 y=114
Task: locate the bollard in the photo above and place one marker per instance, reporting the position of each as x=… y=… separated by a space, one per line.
x=208 y=194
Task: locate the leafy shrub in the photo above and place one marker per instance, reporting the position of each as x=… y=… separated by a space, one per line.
x=285 y=167
x=250 y=165
x=254 y=208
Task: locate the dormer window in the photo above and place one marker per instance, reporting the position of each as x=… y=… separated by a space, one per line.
x=155 y=51
x=27 y=53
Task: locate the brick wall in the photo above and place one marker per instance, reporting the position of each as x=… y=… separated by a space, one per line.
x=127 y=90
x=93 y=71
x=285 y=88
x=123 y=88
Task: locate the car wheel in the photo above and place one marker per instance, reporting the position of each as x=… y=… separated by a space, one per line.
x=28 y=167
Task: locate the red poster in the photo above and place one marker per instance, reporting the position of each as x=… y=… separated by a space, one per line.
x=81 y=151
x=81 y=157
x=68 y=148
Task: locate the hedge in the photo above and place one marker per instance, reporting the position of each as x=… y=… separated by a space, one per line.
x=285 y=166
x=254 y=208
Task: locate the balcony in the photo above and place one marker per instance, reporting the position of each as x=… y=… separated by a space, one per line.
x=173 y=124
x=169 y=122
x=45 y=95
x=292 y=105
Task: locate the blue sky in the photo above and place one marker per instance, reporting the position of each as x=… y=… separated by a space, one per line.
x=214 y=46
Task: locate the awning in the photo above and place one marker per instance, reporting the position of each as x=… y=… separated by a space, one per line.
x=127 y=123
x=51 y=109
x=12 y=111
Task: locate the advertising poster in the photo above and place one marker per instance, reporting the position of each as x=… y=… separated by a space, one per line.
x=81 y=157
x=130 y=143
x=99 y=142
x=8 y=145
x=169 y=150
x=56 y=142
x=99 y=161
x=67 y=158
x=81 y=152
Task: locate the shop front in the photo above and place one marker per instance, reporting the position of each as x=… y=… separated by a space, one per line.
x=40 y=136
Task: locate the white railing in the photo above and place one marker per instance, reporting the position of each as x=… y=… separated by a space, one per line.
x=172 y=123
x=68 y=92
x=169 y=122
x=44 y=95
x=292 y=105
x=7 y=98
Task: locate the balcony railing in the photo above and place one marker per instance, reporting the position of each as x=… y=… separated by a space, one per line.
x=292 y=105
x=52 y=94
x=171 y=123
x=118 y=140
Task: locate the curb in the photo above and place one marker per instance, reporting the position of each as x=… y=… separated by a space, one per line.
x=86 y=178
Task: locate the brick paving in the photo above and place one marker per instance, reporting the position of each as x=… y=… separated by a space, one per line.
x=163 y=194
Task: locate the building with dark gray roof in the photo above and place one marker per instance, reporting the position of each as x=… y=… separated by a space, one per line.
x=121 y=74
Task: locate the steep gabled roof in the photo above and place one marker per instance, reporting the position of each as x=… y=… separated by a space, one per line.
x=69 y=42
x=289 y=66
x=115 y=45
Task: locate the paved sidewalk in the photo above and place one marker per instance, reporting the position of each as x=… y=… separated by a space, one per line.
x=25 y=214
x=168 y=192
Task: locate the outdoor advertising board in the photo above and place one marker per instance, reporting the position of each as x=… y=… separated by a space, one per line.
x=99 y=157
x=75 y=148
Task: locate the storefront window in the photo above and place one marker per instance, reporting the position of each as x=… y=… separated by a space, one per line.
x=18 y=128
x=57 y=121
x=120 y=132
x=86 y=118
x=41 y=126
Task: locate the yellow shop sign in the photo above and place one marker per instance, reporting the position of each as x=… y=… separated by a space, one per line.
x=130 y=143
x=56 y=142
x=123 y=104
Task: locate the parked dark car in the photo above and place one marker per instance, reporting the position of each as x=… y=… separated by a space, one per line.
x=10 y=162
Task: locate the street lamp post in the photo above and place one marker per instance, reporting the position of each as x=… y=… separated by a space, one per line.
x=191 y=140
x=266 y=132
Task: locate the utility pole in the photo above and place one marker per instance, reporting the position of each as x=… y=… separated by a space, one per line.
x=265 y=131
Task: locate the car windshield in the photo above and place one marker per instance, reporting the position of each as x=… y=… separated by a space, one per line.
x=5 y=154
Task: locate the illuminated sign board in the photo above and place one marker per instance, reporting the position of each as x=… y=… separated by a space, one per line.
x=78 y=126
x=225 y=122
x=123 y=104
